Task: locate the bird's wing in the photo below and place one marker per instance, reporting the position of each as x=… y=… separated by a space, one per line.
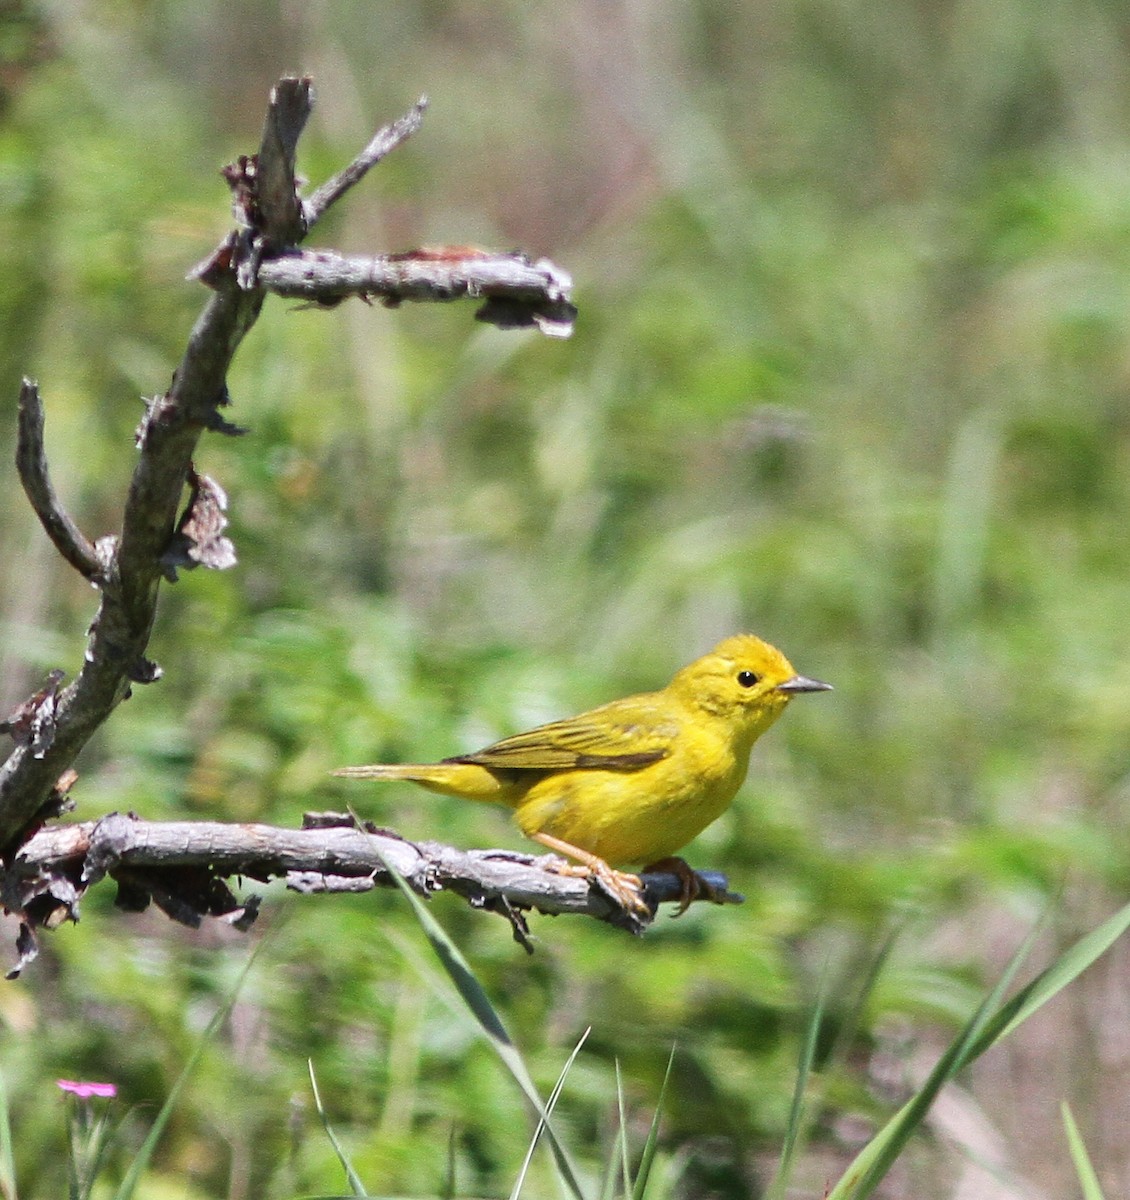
x=625 y=735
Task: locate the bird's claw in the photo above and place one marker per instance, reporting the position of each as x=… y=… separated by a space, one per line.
x=692 y=886
x=622 y=888
x=625 y=889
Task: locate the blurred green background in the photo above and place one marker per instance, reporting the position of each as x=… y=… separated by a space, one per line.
x=851 y=371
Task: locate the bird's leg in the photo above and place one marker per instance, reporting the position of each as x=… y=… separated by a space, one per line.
x=692 y=886
x=623 y=887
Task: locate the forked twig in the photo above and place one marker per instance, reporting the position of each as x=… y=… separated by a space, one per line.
x=31 y=462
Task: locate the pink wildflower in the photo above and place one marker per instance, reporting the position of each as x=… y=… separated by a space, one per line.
x=84 y=1091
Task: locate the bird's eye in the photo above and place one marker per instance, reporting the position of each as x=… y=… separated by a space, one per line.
x=748 y=679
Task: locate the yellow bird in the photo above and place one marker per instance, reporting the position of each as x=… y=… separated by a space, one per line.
x=635 y=780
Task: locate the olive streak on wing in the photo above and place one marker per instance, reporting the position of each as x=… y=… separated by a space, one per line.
x=626 y=741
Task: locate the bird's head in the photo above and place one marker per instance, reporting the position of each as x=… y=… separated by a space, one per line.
x=743 y=680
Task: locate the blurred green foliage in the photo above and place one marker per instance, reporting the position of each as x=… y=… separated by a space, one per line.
x=850 y=371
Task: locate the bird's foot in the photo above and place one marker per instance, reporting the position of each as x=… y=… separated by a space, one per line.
x=624 y=887
x=692 y=886
x=621 y=886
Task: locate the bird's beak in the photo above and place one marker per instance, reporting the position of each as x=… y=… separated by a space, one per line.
x=801 y=683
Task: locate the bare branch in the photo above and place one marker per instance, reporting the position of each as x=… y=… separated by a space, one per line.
x=280 y=216
x=517 y=292
x=130 y=568
x=52 y=726
x=131 y=575
x=181 y=866
x=384 y=142
x=31 y=462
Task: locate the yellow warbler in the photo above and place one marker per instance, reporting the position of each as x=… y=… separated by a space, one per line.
x=631 y=781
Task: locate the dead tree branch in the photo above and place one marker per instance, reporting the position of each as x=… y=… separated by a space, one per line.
x=518 y=293
x=52 y=726
x=182 y=867
x=132 y=571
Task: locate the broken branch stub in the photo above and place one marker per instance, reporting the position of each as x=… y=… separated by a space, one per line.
x=199 y=540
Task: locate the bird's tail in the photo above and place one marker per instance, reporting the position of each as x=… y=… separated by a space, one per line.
x=468 y=780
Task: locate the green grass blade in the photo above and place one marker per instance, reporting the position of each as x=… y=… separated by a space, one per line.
x=551 y=1103
x=7 y=1158
x=796 y=1108
x=352 y=1178
x=471 y=991
x=798 y=1112
x=649 y=1147
x=877 y=1157
x=1050 y=982
x=145 y=1153
x=850 y=1026
x=1088 y=1180
x=986 y=1028
x=625 y=1169
x=101 y=1142
x=448 y=1190
x=608 y=1179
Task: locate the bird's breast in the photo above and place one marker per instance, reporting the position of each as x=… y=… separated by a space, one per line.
x=636 y=816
